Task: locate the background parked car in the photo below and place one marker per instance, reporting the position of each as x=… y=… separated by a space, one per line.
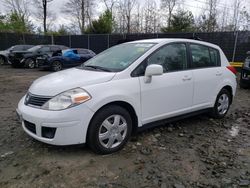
x=245 y=73
x=69 y=58
x=4 y=55
x=28 y=58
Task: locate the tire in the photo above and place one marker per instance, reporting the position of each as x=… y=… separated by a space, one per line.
x=56 y=66
x=2 y=60
x=222 y=104
x=109 y=130
x=243 y=86
x=30 y=63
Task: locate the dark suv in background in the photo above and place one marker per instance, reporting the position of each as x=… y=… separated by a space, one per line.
x=28 y=58
x=4 y=55
x=245 y=73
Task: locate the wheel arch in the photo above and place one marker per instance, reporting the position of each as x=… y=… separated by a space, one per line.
x=57 y=59
x=4 y=57
x=126 y=106
x=230 y=90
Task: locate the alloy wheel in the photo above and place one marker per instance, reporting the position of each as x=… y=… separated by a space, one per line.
x=223 y=104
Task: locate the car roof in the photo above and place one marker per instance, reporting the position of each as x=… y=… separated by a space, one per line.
x=168 y=40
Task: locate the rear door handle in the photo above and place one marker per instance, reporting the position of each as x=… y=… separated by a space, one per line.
x=186 y=78
x=218 y=73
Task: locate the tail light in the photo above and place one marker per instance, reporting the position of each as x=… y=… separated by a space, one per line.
x=232 y=69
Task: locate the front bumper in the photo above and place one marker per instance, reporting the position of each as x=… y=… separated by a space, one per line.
x=245 y=76
x=69 y=126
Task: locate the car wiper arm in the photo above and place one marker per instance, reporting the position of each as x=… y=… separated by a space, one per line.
x=97 y=67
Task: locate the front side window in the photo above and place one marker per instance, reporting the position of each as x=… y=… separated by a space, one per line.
x=118 y=58
x=172 y=57
x=44 y=49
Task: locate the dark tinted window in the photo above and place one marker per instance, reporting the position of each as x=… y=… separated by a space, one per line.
x=26 y=47
x=172 y=57
x=44 y=49
x=83 y=51
x=54 y=48
x=17 y=48
x=215 y=57
x=203 y=56
x=200 y=56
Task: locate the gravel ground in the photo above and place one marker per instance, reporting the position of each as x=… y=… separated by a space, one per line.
x=195 y=152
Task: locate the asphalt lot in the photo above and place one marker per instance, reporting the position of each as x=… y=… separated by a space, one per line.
x=195 y=152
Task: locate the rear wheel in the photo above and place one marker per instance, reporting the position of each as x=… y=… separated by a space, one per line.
x=222 y=104
x=56 y=66
x=109 y=130
x=243 y=85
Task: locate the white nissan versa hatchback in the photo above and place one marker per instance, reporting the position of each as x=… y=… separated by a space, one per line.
x=126 y=88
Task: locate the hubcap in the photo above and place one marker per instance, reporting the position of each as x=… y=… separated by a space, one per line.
x=223 y=104
x=113 y=131
x=31 y=64
x=57 y=66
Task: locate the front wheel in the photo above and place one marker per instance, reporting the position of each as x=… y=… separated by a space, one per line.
x=2 y=60
x=109 y=130
x=222 y=104
x=30 y=63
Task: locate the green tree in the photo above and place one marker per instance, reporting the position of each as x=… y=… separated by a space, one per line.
x=207 y=23
x=182 y=21
x=102 y=25
x=16 y=23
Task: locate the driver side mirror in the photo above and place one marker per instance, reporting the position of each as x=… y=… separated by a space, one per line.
x=152 y=70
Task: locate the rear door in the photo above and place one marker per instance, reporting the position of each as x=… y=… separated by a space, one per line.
x=171 y=93
x=207 y=73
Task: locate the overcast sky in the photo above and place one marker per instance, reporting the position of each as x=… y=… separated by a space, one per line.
x=196 y=6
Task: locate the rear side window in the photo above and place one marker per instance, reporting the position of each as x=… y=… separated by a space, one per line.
x=203 y=56
x=83 y=52
x=215 y=57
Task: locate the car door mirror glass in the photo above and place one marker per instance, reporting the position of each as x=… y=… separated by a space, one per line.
x=152 y=70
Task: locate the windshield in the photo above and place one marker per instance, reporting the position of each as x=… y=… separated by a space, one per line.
x=118 y=58
x=34 y=48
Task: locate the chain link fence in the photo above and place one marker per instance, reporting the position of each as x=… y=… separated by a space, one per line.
x=234 y=44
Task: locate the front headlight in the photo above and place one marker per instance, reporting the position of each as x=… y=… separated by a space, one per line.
x=67 y=99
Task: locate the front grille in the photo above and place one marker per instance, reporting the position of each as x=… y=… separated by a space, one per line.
x=35 y=100
x=30 y=126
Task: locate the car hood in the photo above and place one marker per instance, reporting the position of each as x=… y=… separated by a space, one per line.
x=58 y=82
x=5 y=52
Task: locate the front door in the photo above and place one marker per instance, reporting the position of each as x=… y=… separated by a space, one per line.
x=169 y=94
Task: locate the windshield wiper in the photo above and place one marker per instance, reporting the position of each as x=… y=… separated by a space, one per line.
x=98 y=68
